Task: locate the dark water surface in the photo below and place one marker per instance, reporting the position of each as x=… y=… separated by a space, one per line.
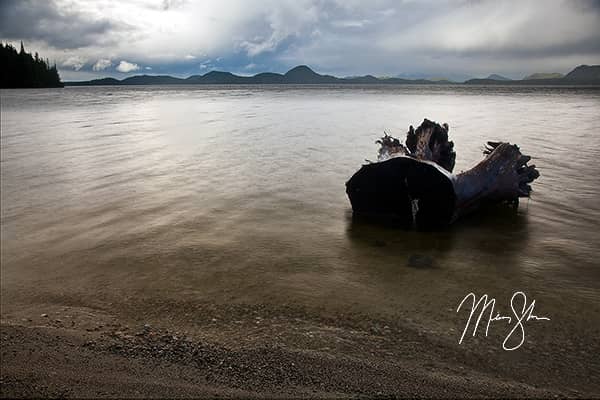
x=183 y=194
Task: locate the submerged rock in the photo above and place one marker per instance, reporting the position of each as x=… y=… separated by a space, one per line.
x=420 y=261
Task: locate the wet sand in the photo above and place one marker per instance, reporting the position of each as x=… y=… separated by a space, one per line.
x=262 y=351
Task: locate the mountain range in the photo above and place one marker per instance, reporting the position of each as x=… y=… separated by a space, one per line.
x=544 y=75
x=581 y=75
x=300 y=75
x=497 y=77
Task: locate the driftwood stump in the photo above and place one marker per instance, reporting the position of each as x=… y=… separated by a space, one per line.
x=412 y=183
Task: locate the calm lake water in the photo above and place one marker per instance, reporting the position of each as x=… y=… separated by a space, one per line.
x=113 y=196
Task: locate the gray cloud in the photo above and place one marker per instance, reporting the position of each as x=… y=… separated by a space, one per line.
x=102 y=64
x=59 y=27
x=455 y=39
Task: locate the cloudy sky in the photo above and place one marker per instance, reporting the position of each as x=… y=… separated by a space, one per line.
x=454 y=39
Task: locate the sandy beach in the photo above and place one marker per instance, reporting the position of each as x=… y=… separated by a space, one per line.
x=242 y=351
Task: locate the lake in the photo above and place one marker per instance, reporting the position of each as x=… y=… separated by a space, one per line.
x=142 y=201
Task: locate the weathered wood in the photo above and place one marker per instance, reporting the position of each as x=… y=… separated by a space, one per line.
x=390 y=147
x=502 y=176
x=404 y=190
x=430 y=142
x=412 y=184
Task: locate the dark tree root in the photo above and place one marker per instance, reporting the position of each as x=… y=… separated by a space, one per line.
x=412 y=184
x=430 y=142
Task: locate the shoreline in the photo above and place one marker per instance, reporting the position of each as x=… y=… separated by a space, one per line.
x=76 y=352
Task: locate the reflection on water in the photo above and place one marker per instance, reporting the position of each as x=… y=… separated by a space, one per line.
x=506 y=225
x=112 y=194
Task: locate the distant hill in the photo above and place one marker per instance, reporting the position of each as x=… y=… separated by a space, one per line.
x=497 y=77
x=216 y=77
x=544 y=75
x=158 y=79
x=300 y=75
x=98 y=82
x=582 y=75
x=22 y=70
x=421 y=76
x=303 y=75
x=440 y=80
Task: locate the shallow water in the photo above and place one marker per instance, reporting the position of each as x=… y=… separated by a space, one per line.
x=184 y=194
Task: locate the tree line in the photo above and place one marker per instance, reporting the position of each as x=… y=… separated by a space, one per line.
x=19 y=69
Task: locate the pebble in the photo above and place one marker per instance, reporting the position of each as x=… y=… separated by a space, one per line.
x=44 y=315
x=420 y=261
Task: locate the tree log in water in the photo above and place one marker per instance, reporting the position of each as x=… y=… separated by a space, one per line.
x=413 y=184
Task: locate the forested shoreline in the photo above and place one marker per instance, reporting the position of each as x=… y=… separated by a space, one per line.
x=19 y=69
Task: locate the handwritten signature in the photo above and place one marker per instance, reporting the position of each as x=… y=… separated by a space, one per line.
x=522 y=314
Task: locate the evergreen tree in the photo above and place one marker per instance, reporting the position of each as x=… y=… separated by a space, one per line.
x=22 y=70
